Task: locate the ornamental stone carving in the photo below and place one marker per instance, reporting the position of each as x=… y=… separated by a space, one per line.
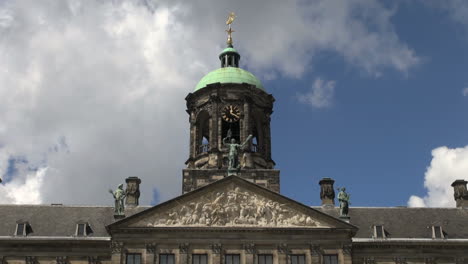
x=31 y=260
x=61 y=260
x=315 y=250
x=183 y=248
x=116 y=247
x=283 y=249
x=93 y=260
x=400 y=260
x=429 y=261
x=347 y=249
x=151 y=248
x=231 y=207
x=249 y=248
x=216 y=248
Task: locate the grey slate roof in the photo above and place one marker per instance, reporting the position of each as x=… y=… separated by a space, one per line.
x=399 y=222
x=58 y=220
x=403 y=222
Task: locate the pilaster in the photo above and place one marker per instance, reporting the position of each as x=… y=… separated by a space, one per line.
x=249 y=252
x=117 y=252
x=150 y=253
x=184 y=253
x=315 y=254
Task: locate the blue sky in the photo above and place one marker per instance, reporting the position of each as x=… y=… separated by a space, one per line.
x=376 y=137
x=373 y=94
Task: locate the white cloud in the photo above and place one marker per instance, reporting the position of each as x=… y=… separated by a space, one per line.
x=457 y=9
x=24 y=192
x=320 y=95
x=447 y=165
x=465 y=91
x=94 y=90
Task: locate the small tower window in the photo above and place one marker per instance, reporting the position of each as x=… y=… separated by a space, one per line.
x=437 y=232
x=379 y=231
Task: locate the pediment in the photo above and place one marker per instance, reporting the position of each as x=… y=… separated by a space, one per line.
x=232 y=202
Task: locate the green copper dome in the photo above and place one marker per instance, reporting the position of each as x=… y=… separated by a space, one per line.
x=229 y=75
x=229 y=49
x=229 y=71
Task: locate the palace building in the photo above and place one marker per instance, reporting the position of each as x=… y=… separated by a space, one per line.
x=230 y=210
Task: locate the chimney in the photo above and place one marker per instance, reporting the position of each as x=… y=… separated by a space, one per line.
x=327 y=193
x=460 y=193
x=132 y=191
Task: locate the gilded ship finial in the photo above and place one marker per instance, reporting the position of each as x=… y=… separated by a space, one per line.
x=231 y=18
x=229 y=21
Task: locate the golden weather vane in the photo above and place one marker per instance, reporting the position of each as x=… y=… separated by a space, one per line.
x=229 y=21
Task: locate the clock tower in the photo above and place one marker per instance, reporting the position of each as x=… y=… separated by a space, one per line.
x=229 y=105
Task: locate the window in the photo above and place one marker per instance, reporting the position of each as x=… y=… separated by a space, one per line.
x=379 y=231
x=199 y=259
x=232 y=258
x=83 y=229
x=20 y=229
x=437 y=232
x=133 y=258
x=330 y=259
x=265 y=259
x=166 y=259
x=297 y=259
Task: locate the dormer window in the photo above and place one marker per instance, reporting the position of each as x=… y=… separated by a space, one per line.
x=83 y=229
x=22 y=228
x=437 y=232
x=379 y=231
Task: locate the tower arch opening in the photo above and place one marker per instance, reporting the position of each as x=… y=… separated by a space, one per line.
x=203 y=132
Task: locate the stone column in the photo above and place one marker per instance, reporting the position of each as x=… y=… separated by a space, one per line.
x=327 y=192
x=266 y=144
x=193 y=138
x=247 y=130
x=132 y=191
x=213 y=144
x=460 y=193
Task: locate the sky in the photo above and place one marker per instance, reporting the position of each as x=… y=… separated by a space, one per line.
x=373 y=94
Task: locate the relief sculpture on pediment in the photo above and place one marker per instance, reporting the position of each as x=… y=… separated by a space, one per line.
x=232 y=207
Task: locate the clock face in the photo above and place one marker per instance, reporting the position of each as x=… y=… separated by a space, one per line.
x=230 y=113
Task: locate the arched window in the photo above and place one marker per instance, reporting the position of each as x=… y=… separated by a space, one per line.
x=257 y=139
x=203 y=132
